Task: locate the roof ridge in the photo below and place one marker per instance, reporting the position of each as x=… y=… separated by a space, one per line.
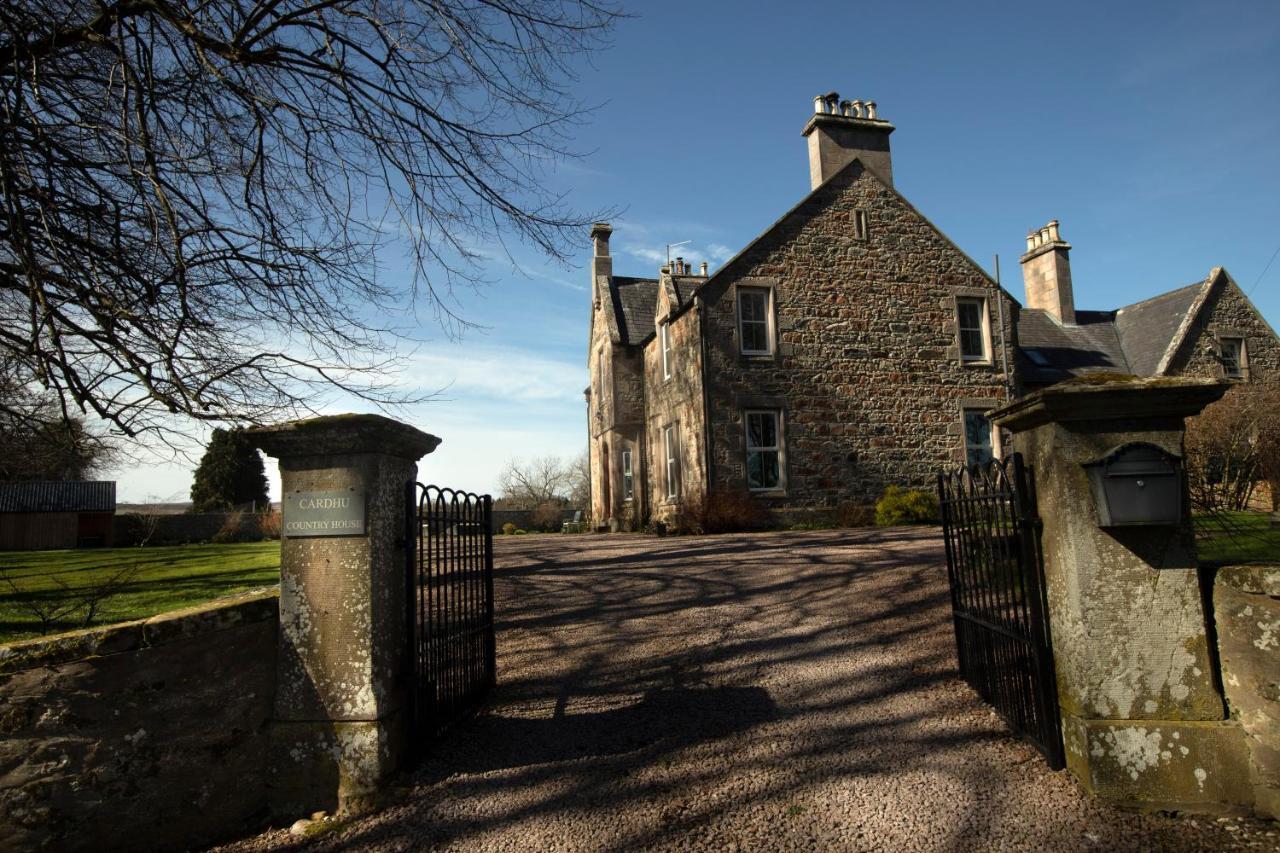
x=1142 y=302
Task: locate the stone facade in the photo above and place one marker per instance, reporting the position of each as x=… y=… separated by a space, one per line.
x=883 y=340
x=151 y=733
x=866 y=370
x=1226 y=313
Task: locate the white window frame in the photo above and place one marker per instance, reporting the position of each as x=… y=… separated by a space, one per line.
x=767 y=292
x=996 y=450
x=664 y=334
x=672 y=444
x=775 y=448
x=984 y=328
x=628 y=477
x=1242 y=359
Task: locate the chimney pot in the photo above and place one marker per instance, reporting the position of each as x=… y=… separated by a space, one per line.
x=832 y=145
x=704 y=268
x=1053 y=231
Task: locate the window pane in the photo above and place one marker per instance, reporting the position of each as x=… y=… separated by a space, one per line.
x=969 y=317
x=977 y=438
x=1231 y=356
x=753 y=315
x=762 y=430
x=762 y=469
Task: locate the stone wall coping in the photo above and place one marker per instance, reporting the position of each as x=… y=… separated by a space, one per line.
x=351 y=433
x=1259 y=580
x=245 y=608
x=1104 y=398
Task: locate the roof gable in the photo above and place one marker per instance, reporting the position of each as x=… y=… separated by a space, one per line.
x=798 y=208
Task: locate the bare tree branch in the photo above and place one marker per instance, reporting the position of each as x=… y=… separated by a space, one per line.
x=199 y=199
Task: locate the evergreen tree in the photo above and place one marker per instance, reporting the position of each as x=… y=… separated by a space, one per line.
x=230 y=474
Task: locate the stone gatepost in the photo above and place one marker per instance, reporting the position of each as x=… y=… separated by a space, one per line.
x=1143 y=718
x=339 y=728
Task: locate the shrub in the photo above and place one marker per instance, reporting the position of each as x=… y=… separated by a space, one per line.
x=906 y=506
x=519 y=532
x=546 y=517
x=230 y=530
x=270 y=524
x=508 y=528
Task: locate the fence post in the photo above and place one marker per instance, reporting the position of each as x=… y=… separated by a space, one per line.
x=1143 y=718
x=340 y=724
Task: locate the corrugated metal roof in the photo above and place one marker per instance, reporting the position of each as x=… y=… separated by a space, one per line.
x=59 y=496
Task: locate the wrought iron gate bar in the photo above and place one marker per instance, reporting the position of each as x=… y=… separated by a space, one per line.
x=450 y=606
x=991 y=533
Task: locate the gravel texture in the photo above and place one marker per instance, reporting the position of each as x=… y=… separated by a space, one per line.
x=770 y=691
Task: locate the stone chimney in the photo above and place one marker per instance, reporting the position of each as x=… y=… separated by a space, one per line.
x=1046 y=274
x=601 y=263
x=839 y=131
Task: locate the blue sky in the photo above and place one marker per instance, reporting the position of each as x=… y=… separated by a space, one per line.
x=1150 y=130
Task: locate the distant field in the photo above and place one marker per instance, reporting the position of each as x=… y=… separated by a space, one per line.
x=1237 y=537
x=154 y=580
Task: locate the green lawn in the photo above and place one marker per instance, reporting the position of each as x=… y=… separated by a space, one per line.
x=144 y=582
x=1237 y=537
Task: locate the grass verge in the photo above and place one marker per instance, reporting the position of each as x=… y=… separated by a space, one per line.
x=132 y=583
x=1233 y=538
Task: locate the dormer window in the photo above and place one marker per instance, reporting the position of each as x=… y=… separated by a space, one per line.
x=974 y=329
x=755 y=320
x=1234 y=358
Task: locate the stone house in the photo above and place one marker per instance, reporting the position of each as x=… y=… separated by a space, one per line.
x=852 y=346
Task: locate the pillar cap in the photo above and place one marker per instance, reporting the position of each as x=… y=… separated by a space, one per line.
x=1106 y=397
x=350 y=433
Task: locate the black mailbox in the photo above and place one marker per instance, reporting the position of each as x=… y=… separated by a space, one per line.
x=1137 y=484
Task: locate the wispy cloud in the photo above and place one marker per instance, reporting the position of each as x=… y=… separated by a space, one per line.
x=696 y=242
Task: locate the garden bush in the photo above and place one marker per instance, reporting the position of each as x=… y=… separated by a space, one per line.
x=508 y=528
x=906 y=506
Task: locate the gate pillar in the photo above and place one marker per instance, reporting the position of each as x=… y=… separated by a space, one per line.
x=1143 y=717
x=342 y=662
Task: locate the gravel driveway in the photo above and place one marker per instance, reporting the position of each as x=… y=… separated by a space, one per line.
x=767 y=691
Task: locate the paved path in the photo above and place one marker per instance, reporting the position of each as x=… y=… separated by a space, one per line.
x=769 y=692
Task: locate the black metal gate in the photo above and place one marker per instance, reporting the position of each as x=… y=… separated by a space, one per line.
x=995 y=567
x=450 y=536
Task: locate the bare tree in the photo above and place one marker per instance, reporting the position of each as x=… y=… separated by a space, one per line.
x=1233 y=446
x=580 y=480
x=195 y=195
x=539 y=481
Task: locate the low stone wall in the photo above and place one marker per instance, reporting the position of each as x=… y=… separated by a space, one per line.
x=523 y=518
x=149 y=734
x=1246 y=606
x=184 y=528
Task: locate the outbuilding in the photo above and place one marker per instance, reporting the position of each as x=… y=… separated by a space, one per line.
x=45 y=516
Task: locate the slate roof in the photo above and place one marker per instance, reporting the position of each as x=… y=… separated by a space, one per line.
x=635 y=302
x=1051 y=352
x=62 y=496
x=1146 y=328
x=1133 y=339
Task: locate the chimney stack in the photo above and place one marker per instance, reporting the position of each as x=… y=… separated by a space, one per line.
x=601 y=263
x=839 y=131
x=1046 y=274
